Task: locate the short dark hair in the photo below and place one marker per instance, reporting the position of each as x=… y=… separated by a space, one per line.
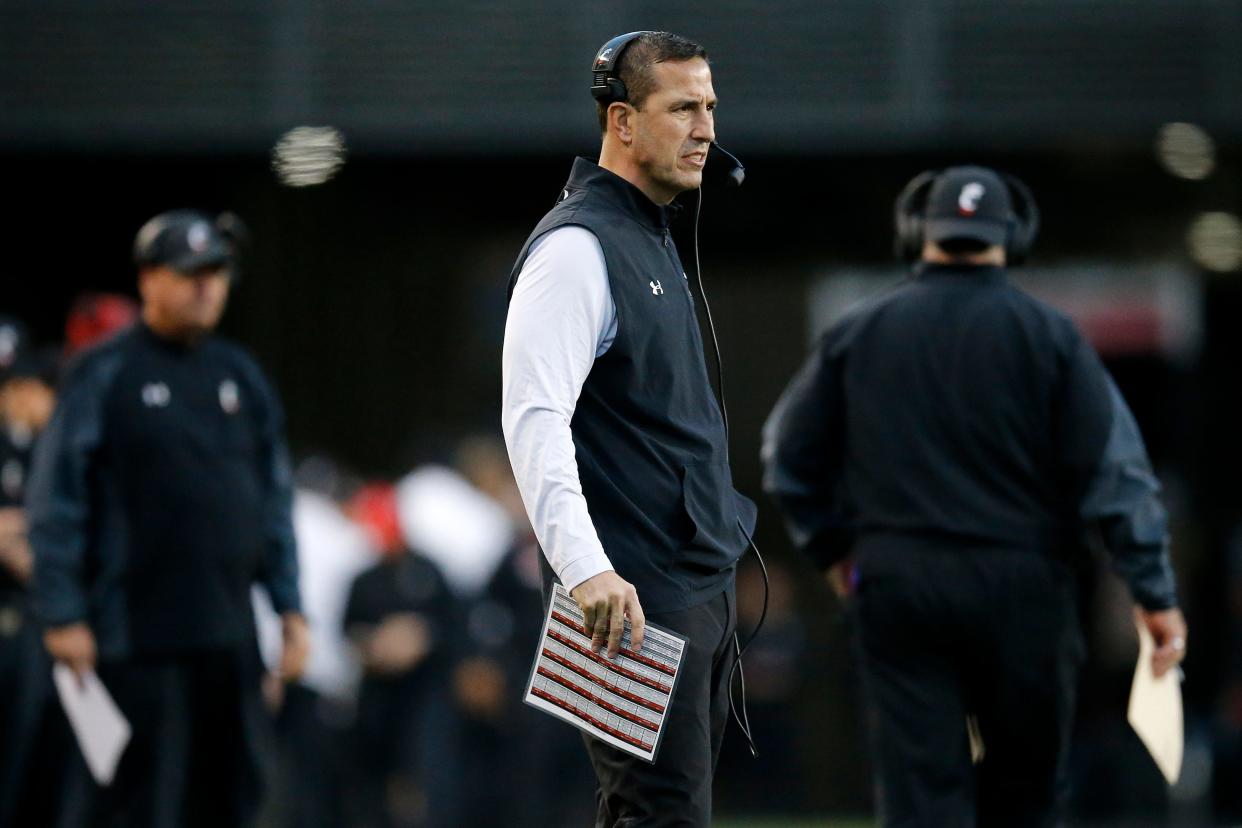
x=634 y=68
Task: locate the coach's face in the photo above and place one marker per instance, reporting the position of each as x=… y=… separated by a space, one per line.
x=184 y=305
x=674 y=130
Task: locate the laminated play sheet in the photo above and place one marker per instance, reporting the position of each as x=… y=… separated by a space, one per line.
x=621 y=701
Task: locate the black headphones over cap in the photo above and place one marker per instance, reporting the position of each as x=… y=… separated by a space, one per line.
x=909 y=217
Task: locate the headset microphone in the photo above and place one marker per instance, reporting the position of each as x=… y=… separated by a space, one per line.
x=736 y=175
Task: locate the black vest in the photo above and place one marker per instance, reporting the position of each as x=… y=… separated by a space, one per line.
x=648 y=434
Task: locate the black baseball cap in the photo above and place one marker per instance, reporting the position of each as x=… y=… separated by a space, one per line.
x=968 y=203
x=185 y=240
x=41 y=363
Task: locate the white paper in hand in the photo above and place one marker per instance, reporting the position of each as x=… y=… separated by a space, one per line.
x=1156 y=710
x=101 y=730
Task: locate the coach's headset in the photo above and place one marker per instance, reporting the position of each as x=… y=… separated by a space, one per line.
x=910 y=209
x=607 y=87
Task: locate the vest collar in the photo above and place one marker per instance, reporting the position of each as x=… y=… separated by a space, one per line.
x=587 y=175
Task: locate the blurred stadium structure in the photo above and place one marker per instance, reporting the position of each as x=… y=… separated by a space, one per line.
x=374 y=296
x=797 y=76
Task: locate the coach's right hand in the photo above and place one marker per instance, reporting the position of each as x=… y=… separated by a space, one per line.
x=606 y=600
x=72 y=644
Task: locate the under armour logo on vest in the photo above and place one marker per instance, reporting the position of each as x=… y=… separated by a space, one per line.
x=656 y=289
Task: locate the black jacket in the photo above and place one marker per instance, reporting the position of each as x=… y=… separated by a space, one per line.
x=956 y=406
x=161 y=491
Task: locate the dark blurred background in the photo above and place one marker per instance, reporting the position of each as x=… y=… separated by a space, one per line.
x=373 y=293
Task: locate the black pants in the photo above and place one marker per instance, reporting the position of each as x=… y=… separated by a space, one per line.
x=200 y=743
x=677 y=789
x=948 y=632
x=35 y=742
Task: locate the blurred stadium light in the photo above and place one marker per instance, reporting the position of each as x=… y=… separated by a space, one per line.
x=1186 y=151
x=1215 y=241
x=308 y=155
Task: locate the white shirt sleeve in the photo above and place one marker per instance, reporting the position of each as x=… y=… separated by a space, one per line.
x=561 y=317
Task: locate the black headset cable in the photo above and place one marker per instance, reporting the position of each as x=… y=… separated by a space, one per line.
x=739 y=649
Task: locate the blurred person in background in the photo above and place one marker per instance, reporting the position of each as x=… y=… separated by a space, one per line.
x=613 y=429
x=464 y=531
x=954 y=440
x=27 y=397
x=94 y=317
x=502 y=737
x=403 y=621
x=13 y=338
x=315 y=714
x=161 y=491
x=1228 y=759
x=468 y=532
x=496 y=652
x=31 y=752
x=775 y=673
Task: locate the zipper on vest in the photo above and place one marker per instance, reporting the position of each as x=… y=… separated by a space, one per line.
x=667 y=239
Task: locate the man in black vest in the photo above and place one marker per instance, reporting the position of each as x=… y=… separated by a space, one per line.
x=616 y=439
x=957 y=438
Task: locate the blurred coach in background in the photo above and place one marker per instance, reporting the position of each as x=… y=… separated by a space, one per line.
x=616 y=439
x=161 y=491
x=957 y=438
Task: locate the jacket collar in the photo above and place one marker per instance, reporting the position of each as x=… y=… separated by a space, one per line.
x=982 y=273
x=587 y=175
x=171 y=346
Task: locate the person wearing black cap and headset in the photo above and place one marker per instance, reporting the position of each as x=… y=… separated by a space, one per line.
x=617 y=442
x=160 y=492
x=954 y=440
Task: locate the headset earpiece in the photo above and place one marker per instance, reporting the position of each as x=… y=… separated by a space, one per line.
x=606 y=86
x=1024 y=225
x=234 y=229
x=908 y=216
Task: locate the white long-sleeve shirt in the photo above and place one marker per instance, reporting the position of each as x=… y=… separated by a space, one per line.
x=561 y=318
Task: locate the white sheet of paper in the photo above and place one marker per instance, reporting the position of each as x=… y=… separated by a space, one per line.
x=101 y=729
x=1156 y=710
x=977 y=750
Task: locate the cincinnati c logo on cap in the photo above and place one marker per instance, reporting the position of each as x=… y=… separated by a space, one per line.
x=198 y=236
x=968 y=199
